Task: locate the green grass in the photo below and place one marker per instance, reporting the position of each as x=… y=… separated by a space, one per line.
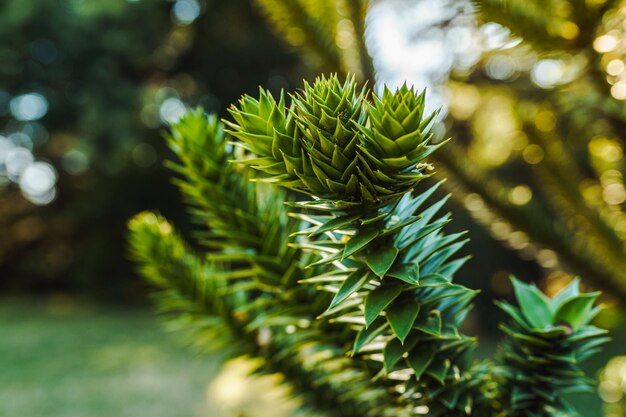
x=63 y=359
x=59 y=359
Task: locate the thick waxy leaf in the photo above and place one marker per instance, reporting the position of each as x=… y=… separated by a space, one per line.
x=378 y=299
x=380 y=261
x=571 y=291
x=514 y=313
x=587 y=332
x=401 y=317
x=360 y=239
x=430 y=323
x=534 y=305
x=367 y=335
x=420 y=357
x=392 y=354
x=407 y=273
x=334 y=224
x=576 y=311
x=353 y=283
x=439 y=369
x=434 y=280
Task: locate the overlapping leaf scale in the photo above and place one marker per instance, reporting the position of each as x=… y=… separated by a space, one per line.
x=540 y=361
x=393 y=283
x=331 y=143
x=396 y=140
x=267 y=129
x=327 y=113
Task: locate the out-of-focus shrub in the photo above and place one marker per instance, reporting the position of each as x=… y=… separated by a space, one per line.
x=84 y=89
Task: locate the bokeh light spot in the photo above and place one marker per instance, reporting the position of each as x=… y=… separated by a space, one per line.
x=500 y=67
x=186 y=11
x=75 y=162
x=16 y=162
x=546 y=73
x=171 y=110
x=27 y=107
x=605 y=43
x=619 y=90
x=38 y=179
x=520 y=195
x=615 y=67
x=545 y=121
x=533 y=154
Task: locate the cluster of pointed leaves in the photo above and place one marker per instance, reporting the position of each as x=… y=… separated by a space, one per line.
x=333 y=144
x=390 y=265
x=393 y=280
x=248 y=285
x=545 y=342
x=383 y=256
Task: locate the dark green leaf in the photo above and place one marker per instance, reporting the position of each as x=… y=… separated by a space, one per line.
x=381 y=260
x=434 y=280
x=401 y=317
x=392 y=354
x=430 y=323
x=378 y=299
x=408 y=273
x=420 y=357
x=353 y=283
x=514 y=313
x=360 y=239
x=439 y=369
x=534 y=304
x=576 y=311
x=365 y=336
x=335 y=223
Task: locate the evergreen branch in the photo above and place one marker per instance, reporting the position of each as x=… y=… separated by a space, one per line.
x=531 y=20
x=358 y=12
x=230 y=207
x=188 y=291
x=559 y=164
x=547 y=25
x=299 y=28
x=563 y=195
x=198 y=297
x=544 y=344
x=379 y=249
x=593 y=250
x=359 y=160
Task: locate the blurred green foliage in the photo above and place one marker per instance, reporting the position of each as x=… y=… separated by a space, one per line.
x=105 y=70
